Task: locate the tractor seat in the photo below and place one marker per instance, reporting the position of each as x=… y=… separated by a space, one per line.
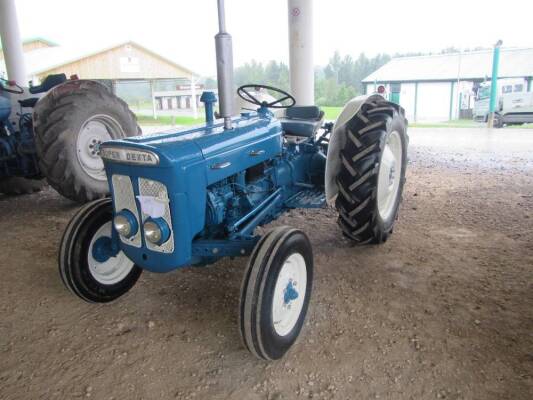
x=48 y=83
x=30 y=102
x=302 y=120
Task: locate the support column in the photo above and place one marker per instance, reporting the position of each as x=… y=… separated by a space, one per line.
x=494 y=83
x=11 y=42
x=301 y=65
x=416 y=100
x=194 y=105
x=451 y=101
x=154 y=112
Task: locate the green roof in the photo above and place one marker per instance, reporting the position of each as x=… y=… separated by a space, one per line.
x=37 y=39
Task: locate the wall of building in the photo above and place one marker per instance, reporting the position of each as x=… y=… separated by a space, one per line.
x=431 y=101
x=123 y=62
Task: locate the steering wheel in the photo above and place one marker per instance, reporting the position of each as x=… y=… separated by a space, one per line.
x=247 y=96
x=4 y=87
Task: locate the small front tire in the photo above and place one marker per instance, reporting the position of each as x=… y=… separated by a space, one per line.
x=92 y=276
x=275 y=293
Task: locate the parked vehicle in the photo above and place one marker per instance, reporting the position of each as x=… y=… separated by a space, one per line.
x=514 y=103
x=194 y=196
x=52 y=132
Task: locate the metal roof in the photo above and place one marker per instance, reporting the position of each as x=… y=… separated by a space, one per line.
x=468 y=65
x=36 y=39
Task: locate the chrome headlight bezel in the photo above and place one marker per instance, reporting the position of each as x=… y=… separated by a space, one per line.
x=156 y=231
x=125 y=224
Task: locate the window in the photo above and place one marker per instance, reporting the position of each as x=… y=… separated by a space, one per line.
x=483 y=92
x=507 y=89
x=518 y=88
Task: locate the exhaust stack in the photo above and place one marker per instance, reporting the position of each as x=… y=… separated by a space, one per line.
x=224 y=53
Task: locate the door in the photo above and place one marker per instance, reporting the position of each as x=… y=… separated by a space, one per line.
x=395 y=89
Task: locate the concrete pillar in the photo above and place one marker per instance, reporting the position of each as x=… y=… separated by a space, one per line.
x=194 y=105
x=11 y=42
x=301 y=65
x=154 y=112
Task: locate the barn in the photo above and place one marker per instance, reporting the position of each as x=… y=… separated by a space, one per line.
x=146 y=80
x=442 y=87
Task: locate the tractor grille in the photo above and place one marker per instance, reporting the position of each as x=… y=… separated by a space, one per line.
x=124 y=198
x=156 y=189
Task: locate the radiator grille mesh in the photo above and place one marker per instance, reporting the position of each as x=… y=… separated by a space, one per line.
x=156 y=189
x=125 y=199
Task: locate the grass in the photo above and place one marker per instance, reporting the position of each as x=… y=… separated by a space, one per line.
x=462 y=123
x=331 y=113
x=169 y=120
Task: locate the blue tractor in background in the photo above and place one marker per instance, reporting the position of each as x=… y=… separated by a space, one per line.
x=192 y=197
x=50 y=132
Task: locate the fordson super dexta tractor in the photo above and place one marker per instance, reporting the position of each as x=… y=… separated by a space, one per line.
x=51 y=131
x=191 y=197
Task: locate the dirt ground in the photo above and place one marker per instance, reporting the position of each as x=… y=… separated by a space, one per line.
x=443 y=310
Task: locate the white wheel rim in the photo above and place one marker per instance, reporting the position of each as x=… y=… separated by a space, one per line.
x=293 y=274
x=96 y=130
x=115 y=269
x=390 y=170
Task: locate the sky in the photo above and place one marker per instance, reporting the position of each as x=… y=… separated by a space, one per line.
x=183 y=30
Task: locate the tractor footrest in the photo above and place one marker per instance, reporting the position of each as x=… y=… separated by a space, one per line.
x=308 y=198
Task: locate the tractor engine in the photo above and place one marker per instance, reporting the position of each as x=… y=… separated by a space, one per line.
x=231 y=199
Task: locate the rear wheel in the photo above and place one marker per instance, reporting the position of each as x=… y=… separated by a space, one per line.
x=70 y=124
x=372 y=173
x=498 y=121
x=17 y=185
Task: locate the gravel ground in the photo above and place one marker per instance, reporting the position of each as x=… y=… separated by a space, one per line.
x=443 y=310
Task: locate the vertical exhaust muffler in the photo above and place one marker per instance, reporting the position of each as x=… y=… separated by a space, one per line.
x=224 y=54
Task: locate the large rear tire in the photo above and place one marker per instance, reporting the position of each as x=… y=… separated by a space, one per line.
x=70 y=122
x=17 y=185
x=372 y=173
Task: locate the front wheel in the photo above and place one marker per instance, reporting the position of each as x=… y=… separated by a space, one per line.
x=275 y=292
x=89 y=265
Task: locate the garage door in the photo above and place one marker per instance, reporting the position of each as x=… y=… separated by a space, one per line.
x=434 y=101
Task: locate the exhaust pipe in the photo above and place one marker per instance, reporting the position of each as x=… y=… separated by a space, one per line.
x=224 y=53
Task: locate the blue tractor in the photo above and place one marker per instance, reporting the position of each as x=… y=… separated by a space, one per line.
x=50 y=132
x=192 y=197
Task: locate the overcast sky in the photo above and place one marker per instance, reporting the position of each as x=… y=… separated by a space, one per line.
x=183 y=30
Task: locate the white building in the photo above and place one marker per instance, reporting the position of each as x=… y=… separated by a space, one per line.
x=146 y=80
x=442 y=87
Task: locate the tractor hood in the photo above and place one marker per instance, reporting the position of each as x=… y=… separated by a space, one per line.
x=184 y=146
x=175 y=169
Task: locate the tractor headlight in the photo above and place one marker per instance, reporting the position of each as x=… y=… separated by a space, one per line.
x=156 y=231
x=125 y=223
